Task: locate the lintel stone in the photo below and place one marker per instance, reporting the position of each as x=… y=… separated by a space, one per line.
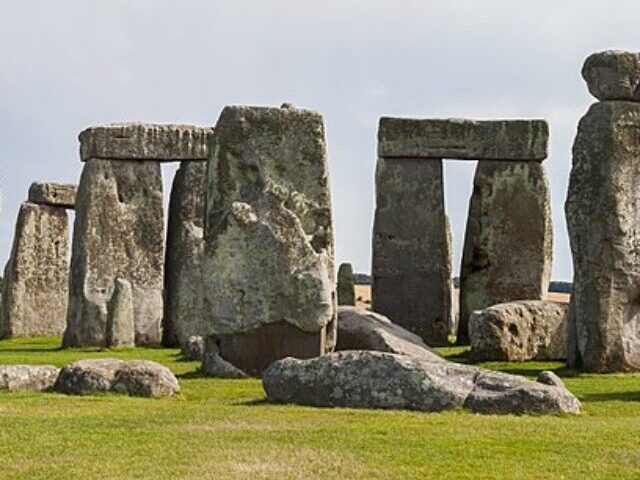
x=140 y=141
x=463 y=139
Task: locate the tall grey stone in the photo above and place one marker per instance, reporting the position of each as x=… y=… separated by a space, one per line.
x=411 y=264
x=268 y=268
x=508 y=241
x=183 y=308
x=603 y=220
x=346 y=289
x=121 y=330
x=35 y=285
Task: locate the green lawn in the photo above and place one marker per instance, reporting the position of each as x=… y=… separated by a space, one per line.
x=224 y=429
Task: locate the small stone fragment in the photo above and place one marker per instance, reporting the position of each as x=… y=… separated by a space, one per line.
x=549 y=378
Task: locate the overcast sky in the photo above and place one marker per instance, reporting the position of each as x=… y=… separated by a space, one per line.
x=65 y=65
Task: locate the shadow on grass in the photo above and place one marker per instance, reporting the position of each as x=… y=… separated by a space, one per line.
x=257 y=403
x=607 y=397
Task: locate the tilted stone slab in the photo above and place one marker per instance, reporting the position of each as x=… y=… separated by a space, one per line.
x=269 y=284
x=36 y=277
x=602 y=219
x=183 y=308
x=613 y=75
x=55 y=194
x=141 y=141
x=463 y=139
x=508 y=240
x=411 y=251
x=118 y=233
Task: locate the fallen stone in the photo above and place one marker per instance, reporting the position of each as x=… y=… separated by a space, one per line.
x=54 y=194
x=463 y=139
x=508 y=240
x=549 y=378
x=28 y=377
x=360 y=329
x=36 y=277
x=120 y=316
x=268 y=271
x=140 y=141
x=193 y=348
x=602 y=220
x=346 y=290
x=213 y=365
x=366 y=379
x=135 y=377
x=520 y=331
x=183 y=306
x=411 y=251
x=613 y=75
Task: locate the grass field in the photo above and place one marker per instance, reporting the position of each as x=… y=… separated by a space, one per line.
x=222 y=429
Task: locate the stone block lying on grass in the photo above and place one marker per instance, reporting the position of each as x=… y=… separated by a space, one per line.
x=140 y=378
x=366 y=379
x=28 y=377
x=193 y=348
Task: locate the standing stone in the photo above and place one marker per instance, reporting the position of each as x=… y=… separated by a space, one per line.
x=36 y=276
x=346 y=289
x=120 y=320
x=603 y=220
x=508 y=240
x=268 y=270
x=183 y=309
x=411 y=266
x=54 y=194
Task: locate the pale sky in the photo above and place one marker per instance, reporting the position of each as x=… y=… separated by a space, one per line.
x=66 y=65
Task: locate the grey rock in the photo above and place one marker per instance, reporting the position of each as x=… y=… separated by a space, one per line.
x=213 y=365
x=346 y=290
x=118 y=233
x=140 y=141
x=360 y=329
x=55 y=194
x=366 y=379
x=36 y=378
x=135 y=377
x=269 y=237
x=508 y=240
x=549 y=378
x=121 y=330
x=193 y=348
x=463 y=139
x=602 y=220
x=411 y=251
x=183 y=307
x=34 y=291
x=520 y=331
x=613 y=75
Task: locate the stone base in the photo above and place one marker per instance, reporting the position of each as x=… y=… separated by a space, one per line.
x=252 y=352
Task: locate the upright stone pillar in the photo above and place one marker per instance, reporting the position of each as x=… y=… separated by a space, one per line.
x=119 y=226
x=346 y=289
x=603 y=219
x=508 y=241
x=268 y=269
x=183 y=309
x=36 y=276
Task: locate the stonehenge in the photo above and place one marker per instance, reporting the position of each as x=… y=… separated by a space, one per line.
x=602 y=219
x=411 y=264
x=34 y=290
x=268 y=275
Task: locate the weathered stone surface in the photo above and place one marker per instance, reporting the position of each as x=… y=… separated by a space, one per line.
x=360 y=329
x=135 y=377
x=508 y=241
x=411 y=266
x=213 y=365
x=346 y=290
x=28 y=377
x=602 y=219
x=549 y=378
x=183 y=307
x=193 y=348
x=463 y=139
x=141 y=141
x=55 y=194
x=520 y=331
x=269 y=237
x=118 y=233
x=366 y=379
x=121 y=331
x=613 y=75
x=36 y=276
